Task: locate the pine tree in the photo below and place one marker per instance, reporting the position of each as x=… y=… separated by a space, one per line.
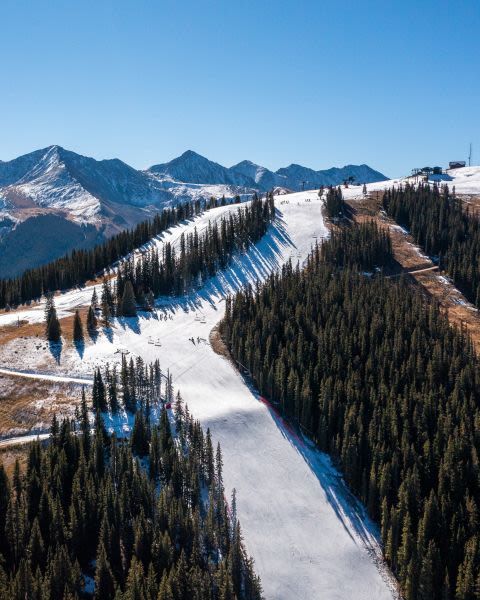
x=94 y=301
x=140 y=438
x=128 y=306
x=77 y=328
x=104 y=581
x=53 y=329
x=78 y=508
x=91 y=321
x=85 y=425
x=36 y=547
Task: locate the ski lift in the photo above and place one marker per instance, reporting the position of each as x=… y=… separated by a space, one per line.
x=150 y=340
x=157 y=342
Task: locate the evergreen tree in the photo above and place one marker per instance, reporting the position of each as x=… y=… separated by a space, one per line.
x=77 y=328
x=86 y=505
x=53 y=330
x=91 y=321
x=128 y=306
x=376 y=376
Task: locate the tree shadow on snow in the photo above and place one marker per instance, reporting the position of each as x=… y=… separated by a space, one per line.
x=132 y=323
x=257 y=263
x=80 y=347
x=56 y=350
x=93 y=335
x=108 y=333
x=351 y=513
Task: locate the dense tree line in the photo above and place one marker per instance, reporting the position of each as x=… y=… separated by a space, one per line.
x=134 y=384
x=139 y=519
x=439 y=223
x=366 y=246
x=81 y=265
x=378 y=379
x=199 y=257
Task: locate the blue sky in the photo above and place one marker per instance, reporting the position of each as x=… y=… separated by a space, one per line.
x=395 y=84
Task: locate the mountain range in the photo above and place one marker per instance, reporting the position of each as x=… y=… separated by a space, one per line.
x=92 y=199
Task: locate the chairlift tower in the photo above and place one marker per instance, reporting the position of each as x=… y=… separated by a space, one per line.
x=470 y=155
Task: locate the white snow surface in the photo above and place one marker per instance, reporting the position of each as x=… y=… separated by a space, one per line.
x=466 y=181
x=309 y=537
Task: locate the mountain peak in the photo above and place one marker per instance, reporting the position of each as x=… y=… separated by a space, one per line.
x=191 y=154
x=191 y=167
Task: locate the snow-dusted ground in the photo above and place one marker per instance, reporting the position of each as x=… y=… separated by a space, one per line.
x=466 y=181
x=310 y=539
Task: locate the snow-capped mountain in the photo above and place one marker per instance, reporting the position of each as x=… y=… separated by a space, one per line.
x=56 y=178
x=92 y=199
x=297 y=177
x=194 y=168
x=191 y=167
x=73 y=193
x=87 y=189
x=263 y=177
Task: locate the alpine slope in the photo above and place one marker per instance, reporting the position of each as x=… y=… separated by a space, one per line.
x=465 y=180
x=310 y=538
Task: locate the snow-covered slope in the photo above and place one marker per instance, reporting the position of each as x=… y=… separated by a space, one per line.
x=111 y=195
x=465 y=180
x=309 y=537
x=296 y=177
x=56 y=178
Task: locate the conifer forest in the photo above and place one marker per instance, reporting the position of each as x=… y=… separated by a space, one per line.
x=380 y=380
x=144 y=518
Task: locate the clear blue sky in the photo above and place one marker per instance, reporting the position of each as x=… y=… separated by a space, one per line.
x=395 y=84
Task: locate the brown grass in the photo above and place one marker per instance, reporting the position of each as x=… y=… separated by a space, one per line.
x=26 y=329
x=459 y=312
x=217 y=343
x=29 y=404
x=463 y=316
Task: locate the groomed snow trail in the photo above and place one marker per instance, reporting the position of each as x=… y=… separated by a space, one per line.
x=309 y=537
x=46 y=377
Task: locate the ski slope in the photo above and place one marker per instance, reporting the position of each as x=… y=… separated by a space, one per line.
x=466 y=181
x=309 y=537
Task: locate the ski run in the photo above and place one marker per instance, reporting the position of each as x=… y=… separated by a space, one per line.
x=309 y=537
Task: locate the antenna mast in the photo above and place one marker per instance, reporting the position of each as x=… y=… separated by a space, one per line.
x=470 y=155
